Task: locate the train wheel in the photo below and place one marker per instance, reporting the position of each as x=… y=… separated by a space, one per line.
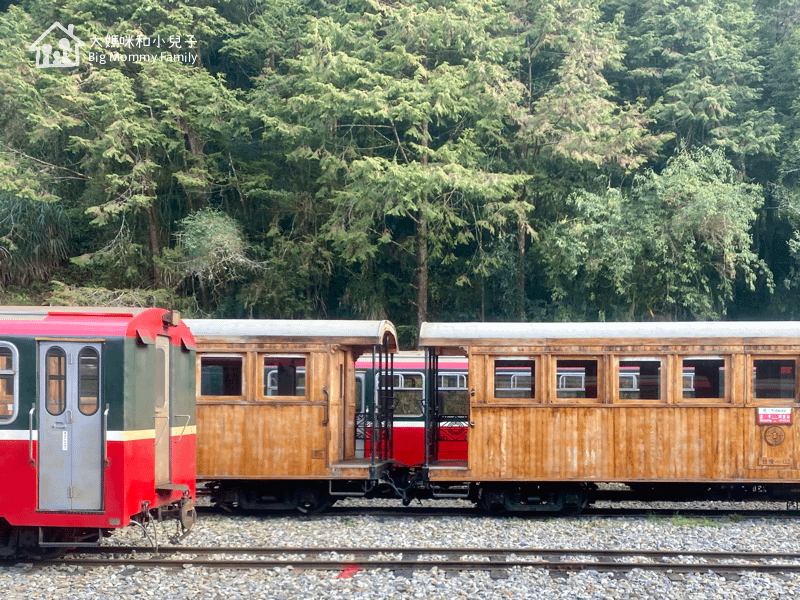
x=29 y=543
x=493 y=500
x=575 y=500
x=311 y=501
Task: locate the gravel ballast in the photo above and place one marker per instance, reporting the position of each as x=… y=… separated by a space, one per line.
x=30 y=582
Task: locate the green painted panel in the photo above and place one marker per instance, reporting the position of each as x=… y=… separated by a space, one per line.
x=183 y=384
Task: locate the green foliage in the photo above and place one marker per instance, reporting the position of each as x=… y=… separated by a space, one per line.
x=65 y=295
x=699 y=63
x=34 y=239
x=671 y=248
x=215 y=251
x=504 y=160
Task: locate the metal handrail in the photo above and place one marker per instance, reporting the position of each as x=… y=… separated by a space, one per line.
x=166 y=424
x=105 y=436
x=185 y=425
x=30 y=437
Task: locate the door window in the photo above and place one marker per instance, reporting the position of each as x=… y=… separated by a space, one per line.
x=56 y=388
x=89 y=381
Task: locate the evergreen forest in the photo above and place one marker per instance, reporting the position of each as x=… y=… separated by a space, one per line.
x=499 y=160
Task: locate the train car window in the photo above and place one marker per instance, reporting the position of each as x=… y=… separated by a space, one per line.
x=9 y=384
x=221 y=376
x=639 y=378
x=56 y=361
x=360 y=406
x=774 y=378
x=515 y=378
x=408 y=388
x=161 y=377
x=89 y=381
x=284 y=376
x=453 y=394
x=576 y=378
x=704 y=378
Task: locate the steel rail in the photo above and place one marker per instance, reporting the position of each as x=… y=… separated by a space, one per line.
x=452 y=559
x=418 y=512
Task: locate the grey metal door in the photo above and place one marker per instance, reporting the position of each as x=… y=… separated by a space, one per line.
x=70 y=427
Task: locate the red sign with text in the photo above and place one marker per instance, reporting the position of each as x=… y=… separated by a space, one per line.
x=776 y=416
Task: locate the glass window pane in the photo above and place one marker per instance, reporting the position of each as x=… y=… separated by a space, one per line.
x=640 y=379
x=89 y=381
x=704 y=378
x=6 y=359
x=452 y=381
x=454 y=402
x=6 y=396
x=56 y=382
x=161 y=377
x=7 y=387
x=408 y=390
x=360 y=395
x=576 y=378
x=774 y=378
x=221 y=376
x=515 y=378
x=284 y=376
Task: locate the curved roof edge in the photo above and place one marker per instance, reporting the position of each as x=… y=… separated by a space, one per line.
x=141 y=323
x=344 y=331
x=448 y=334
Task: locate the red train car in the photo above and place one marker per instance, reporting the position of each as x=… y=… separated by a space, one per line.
x=97 y=424
x=410 y=386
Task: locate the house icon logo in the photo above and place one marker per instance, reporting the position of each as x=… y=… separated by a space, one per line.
x=57 y=47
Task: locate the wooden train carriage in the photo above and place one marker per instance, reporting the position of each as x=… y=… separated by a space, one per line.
x=559 y=405
x=97 y=422
x=276 y=411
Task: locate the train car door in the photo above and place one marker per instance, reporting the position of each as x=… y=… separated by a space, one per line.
x=361 y=415
x=70 y=427
x=162 y=397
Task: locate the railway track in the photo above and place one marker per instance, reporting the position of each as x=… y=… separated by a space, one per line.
x=351 y=560
x=472 y=512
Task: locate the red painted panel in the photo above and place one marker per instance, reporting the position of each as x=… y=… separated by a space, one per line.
x=97 y=324
x=409 y=444
x=128 y=482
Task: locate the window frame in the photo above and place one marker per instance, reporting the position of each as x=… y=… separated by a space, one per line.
x=751 y=397
x=13 y=372
x=727 y=392
x=554 y=378
x=662 y=378
x=261 y=375
x=221 y=398
x=83 y=377
x=401 y=375
x=537 y=386
x=60 y=377
x=460 y=376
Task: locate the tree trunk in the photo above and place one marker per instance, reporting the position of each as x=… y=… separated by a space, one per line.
x=422 y=271
x=521 y=313
x=155 y=246
x=422 y=246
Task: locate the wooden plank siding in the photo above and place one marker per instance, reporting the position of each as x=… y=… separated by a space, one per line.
x=257 y=437
x=257 y=441
x=610 y=438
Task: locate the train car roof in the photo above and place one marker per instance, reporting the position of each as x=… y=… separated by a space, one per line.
x=354 y=333
x=92 y=321
x=453 y=335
